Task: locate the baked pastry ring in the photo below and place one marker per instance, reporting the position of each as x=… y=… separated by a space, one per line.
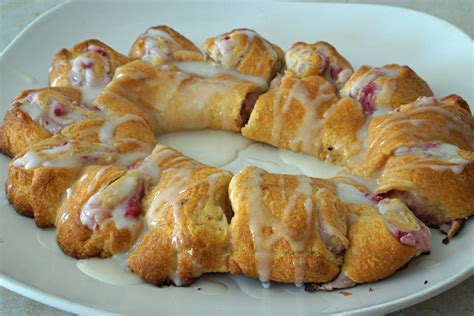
x=187 y=215
x=385 y=87
x=161 y=44
x=291 y=114
x=320 y=58
x=247 y=52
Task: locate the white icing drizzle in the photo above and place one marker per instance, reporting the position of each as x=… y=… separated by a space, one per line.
x=97 y=179
x=204 y=69
x=181 y=171
x=399 y=220
x=435 y=156
x=89 y=94
x=68 y=157
x=331 y=68
x=82 y=72
x=125 y=193
x=158 y=46
x=357 y=87
x=350 y=194
x=224 y=45
x=311 y=122
x=52 y=116
x=260 y=219
x=106 y=133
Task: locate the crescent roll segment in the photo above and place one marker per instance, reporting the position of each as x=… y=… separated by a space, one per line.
x=247 y=52
x=118 y=122
x=37 y=114
x=341 y=139
x=384 y=236
x=184 y=101
x=38 y=177
x=435 y=179
x=291 y=114
x=388 y=86
x=161 y=44
x=286 y=228
x=320 y=58
x=102 y=214
x=90 y=63
x=187 y=215
x=447 y=120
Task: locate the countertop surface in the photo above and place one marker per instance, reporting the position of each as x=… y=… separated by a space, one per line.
x=16 y=15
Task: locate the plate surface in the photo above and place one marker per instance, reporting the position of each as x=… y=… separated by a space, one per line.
x=363 y=34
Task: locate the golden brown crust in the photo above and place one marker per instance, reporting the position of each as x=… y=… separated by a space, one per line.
x=165 y=45
x=38 y=190
x=19 y=128
x=374 y=252
x=388 y=86
x=104 y=58
x=320 y=58
x=340 y=132
x=291 y=115
x=251 y=229
x=187 y=214
x=435 y=195
x=247 y=52
x=414 y=123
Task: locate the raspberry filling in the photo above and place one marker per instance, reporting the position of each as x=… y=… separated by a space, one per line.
x=133 y=208
x=367 y=98
x=127 y=191
x=59 y=109
x=97 y=50
x=334 y=72
x=408 y=229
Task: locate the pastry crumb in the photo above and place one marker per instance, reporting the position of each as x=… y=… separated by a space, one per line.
x=371 y=289
x=345 y=293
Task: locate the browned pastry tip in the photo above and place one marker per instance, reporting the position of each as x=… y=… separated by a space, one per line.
x=435 y=180
x=320 y=58
x=161 y=44
x=385 y=87
x=291 y=114
x=420 y=122
x=90 y=63
x=245 y=51
x=84 y=199
x=374 y=252
x=38 y=176
x=37 y=114
x=340 y=140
